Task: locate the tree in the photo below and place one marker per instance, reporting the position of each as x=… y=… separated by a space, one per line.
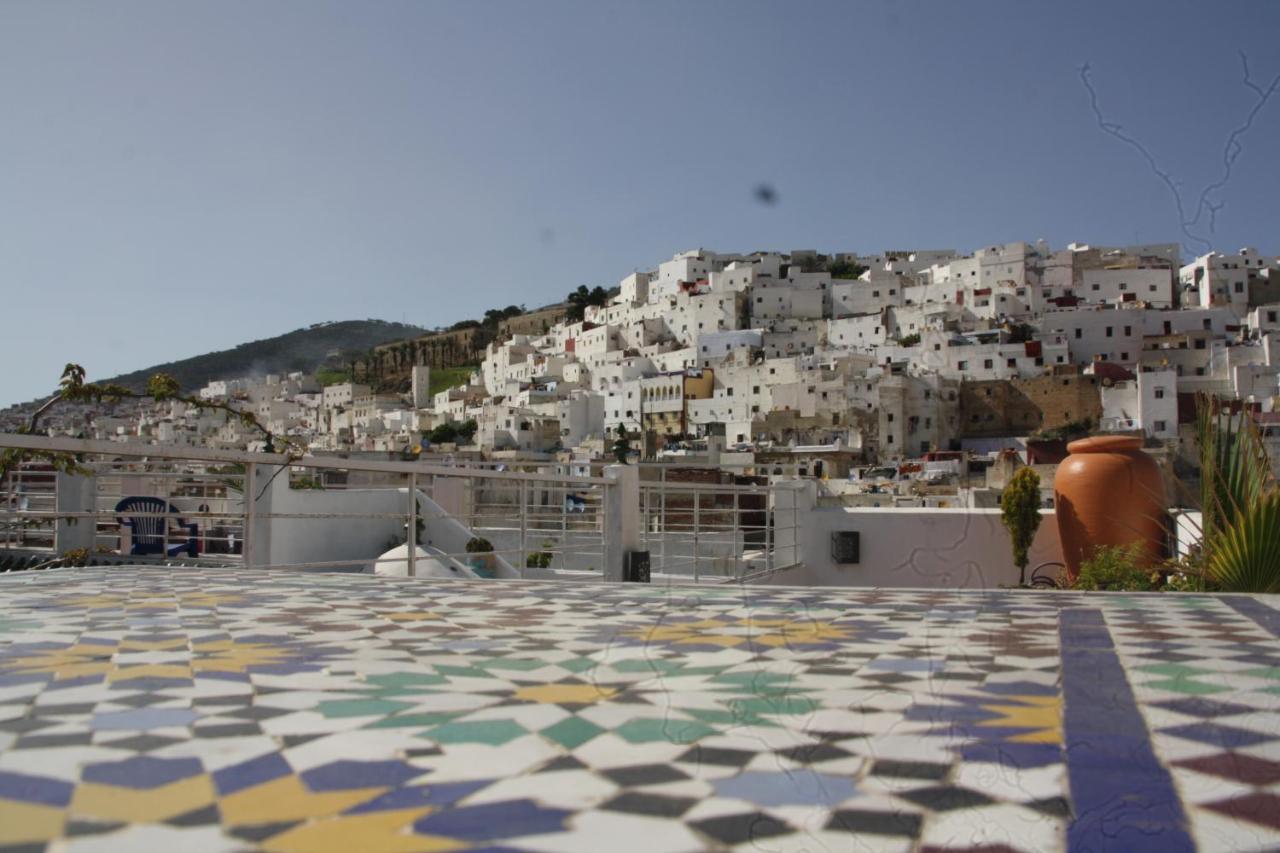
x=581 y=298
x=845 y=269
x=1020 y=512
x=622 y=447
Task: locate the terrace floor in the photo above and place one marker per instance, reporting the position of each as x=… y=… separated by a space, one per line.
x=198 y=709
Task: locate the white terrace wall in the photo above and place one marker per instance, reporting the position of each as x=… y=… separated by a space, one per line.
x=933 y=548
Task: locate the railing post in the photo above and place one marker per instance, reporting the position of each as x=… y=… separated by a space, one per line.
x=250 y=492
x=524 y=524
x=697 y=525
x=662 y=518
x=733 y=542
x=621 y=520
x=412 y=538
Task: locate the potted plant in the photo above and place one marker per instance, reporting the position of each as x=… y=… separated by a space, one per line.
x=481 y=559
x=1020 y=512
x=1109 y=492
x=1239 y=502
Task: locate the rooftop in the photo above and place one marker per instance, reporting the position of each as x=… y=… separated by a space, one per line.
x=218 y=708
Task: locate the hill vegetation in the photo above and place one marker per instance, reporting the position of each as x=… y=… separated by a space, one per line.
x=329 y=346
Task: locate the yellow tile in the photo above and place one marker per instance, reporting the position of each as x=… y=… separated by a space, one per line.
x=114 y=803
x=24 y=823
x=374 y=832
x=286 y=799
x=565 y=693
x=149 y=670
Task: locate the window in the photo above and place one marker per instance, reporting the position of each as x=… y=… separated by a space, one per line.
x=1124 y=286
x=1124 y=356
x=755 y=389
x=1239 y=287
x=1271 y=316
x=890 y=417
x=963 y=365
x=1096 y=286
x=1079 y=334
x=1108 y=331
x=1013 y=362
x=987 y=363
x=1160 y=426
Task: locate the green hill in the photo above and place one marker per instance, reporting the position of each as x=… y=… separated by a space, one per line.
x=302 y=349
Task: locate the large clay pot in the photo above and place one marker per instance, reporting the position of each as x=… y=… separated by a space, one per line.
x=1108 y=492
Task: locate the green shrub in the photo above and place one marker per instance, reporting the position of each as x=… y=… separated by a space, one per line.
x=1118 y=567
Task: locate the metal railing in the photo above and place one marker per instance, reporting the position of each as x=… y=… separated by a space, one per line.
x=248 y=512
x=341 y=514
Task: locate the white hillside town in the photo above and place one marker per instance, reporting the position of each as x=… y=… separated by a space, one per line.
x=899 y=373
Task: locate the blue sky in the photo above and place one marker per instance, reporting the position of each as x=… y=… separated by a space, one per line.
x=182 y=177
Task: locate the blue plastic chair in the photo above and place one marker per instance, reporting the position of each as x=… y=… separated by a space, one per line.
x=150 y=534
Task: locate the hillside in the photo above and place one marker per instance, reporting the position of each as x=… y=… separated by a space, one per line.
x=302 y=349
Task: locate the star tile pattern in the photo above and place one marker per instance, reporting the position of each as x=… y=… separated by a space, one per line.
x=233 y=709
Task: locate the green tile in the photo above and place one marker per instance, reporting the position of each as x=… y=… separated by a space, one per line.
x=1185 y=685
x=728 y=718
x=774 y=705
x=492 y=732
x=1175 y=670
x=405 y=721
x=577 y=664
x=670 y=730
x=665 y=667
x=571 y=732
x=516 y=664
x=1271 y=672
x=360 y=707
x=405 y=680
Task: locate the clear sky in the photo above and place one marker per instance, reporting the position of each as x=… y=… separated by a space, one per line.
x=181 y=177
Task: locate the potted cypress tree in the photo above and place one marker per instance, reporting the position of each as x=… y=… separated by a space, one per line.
x=481 y=559
x=1020 y=512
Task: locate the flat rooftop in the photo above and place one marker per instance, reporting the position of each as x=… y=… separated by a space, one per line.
x=188 y=709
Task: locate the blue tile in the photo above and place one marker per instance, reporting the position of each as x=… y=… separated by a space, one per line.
x=494 y=821
x=144 y=719
x=143 y=772
x=1227 y=737
x=422 y=795
x=228 y=780
x=345 y=775
x=1266 y=617
x=1023 y=756
x=795 y=787
x=1121 y=796
x=35 y=789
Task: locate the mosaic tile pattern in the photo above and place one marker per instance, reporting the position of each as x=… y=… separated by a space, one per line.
x=225 y=709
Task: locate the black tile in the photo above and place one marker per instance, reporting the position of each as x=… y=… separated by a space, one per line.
x=890 y=678
x=946 y=798
x=653 y=805
x=644 y=774
x=76 y=828
x=38 y=741
x=62 y=710
x=813 y=753
x=200 y=817
x=141 y=743
x=261 y=831
x=228 y=730
x=741 y=828
x=563 y=762
x=141 y=700
x=876 y=823
x=244 y=699
x=911 y=769
x=290 y=741
x=717 y=757
x=1052 y=806
x=256 y=712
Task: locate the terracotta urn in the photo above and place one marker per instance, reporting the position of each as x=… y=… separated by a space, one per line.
x=1108 y=492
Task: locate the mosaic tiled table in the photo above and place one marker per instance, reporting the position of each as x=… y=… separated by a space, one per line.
x=184 y=709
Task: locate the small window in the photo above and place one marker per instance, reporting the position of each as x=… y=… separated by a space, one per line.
x=1160 y=426
x=987 y=363
x=1159 y=394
